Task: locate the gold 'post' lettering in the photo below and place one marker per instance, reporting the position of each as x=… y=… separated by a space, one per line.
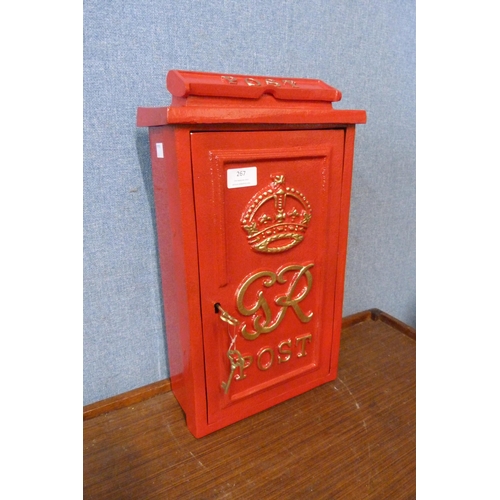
x=248 y=361
x=290 y=82
x=302 y=341
x=286 y=352
x=269 y=363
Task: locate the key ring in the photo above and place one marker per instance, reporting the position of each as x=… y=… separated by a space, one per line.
x=225 y=316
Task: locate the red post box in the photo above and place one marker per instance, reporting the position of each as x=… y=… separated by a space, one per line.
x=252 y=180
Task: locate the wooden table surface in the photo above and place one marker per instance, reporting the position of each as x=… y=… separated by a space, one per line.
x=353 y=438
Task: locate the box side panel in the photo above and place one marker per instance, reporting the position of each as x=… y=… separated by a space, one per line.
x=179 y=268
x=345 y=203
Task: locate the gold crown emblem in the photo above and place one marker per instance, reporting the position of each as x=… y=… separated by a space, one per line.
x=277 y=217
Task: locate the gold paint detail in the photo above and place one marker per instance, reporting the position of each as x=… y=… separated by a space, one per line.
x=302 y=341
x=287 y=353
x=269 y=363
x=247 y=361
x=265 y=358
x=276 y=217
x=264 y=322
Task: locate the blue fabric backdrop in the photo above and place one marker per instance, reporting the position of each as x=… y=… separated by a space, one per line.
x=364 y=48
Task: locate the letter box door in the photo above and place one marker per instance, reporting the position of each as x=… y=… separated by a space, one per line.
x=267 y=209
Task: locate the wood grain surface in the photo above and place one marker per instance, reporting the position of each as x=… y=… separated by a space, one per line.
x=353 y=438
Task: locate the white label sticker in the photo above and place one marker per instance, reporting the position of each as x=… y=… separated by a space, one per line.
x=241 y=177
x=159 y=150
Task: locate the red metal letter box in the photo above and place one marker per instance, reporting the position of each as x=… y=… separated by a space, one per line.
x=252 y=180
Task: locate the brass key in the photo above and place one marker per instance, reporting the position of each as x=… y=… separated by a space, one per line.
x=237 y=361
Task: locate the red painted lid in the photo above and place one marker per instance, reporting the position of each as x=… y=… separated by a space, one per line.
x=192 y=83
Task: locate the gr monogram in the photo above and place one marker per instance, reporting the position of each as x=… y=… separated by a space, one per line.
x=264 y=322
